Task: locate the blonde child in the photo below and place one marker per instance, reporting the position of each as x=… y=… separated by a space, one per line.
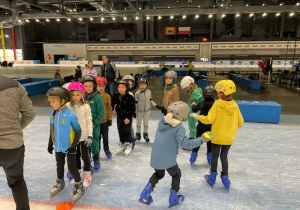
x=171 y=90
x=107 y=119
x=83 y=112
x=226 y=118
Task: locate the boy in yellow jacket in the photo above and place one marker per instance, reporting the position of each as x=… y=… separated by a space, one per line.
x=226 y=118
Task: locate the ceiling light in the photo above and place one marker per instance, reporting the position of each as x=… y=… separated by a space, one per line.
x=20 y=21
x=69 y=19
x=91 y=19
x=136 y=17
x=237 y=15
x=153 y=7
x=196 y=16
x=6 y=36
x=251 y=14
x=125 y=18
x=214 y=5
x=27 y=21
x=37 y=20
x=171 y=17
x=57 y=10
x=159 y=17
x=292 y=14
x=263 y=4
x=247 y=5
x=198 y=6
x=74 y=10
x=177 y=1
x=102 y=19
x=184 y=16
x=71 y=10
x=83 y=9
x=148 y=18
x=97 y=9
x=222 y=5
x=169 y=7
x=297 y=4
x=223 y=15
x=140 y=7
x=281 y=4
x=80 y=19
x=57 y=19
x=277 y=14
x=47 y=20
x=264 y=14
x=210 y=16
x=113 y=18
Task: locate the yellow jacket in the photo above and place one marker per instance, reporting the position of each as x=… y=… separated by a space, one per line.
x=226 y=118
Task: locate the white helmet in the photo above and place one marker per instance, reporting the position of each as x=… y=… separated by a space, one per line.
x=129 y=77
x=171 y=74
x=66 y=85
x=186 y=81
x=179 y=110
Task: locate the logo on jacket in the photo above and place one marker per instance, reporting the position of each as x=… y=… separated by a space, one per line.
x=91 y=102
x=63 y=121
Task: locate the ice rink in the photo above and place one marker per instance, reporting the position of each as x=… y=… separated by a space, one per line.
x=264 y=168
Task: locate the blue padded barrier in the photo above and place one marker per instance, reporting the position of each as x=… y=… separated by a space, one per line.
x=37 y=85
x=260 y=111
x=251 y=84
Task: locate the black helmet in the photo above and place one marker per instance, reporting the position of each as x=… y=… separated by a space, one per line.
x=142 y=80
x=60 y=92
x=89 y=78
x=124 y=82
x=209 y=91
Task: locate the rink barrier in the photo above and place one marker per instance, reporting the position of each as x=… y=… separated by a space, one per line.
x=260 y=111
x=247 y=83
x=37 y=85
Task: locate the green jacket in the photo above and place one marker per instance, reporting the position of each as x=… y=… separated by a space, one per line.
x=97 y=108
x=196 y=97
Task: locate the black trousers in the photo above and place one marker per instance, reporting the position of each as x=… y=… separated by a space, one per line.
x=174 y=172
x=208 y=147
x=83 y=152
x=200 y=130
x=104 y=133
x=12 y=162
x=124 y=130
x=71 y=162
x=221 y=150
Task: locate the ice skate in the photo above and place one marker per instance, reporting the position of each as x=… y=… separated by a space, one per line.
x=211 y=179
x=72 y=182
x=128 y=148
x=87 y=178
x=226 y=181
x=78 y=192
x=145 y=196
x=70 y=176
x=120 y=149
x=108 y=153
x=208 y=156
x=60 y=185
x=175 y=198
x=193 y=157
x=96 y=162
x=146 y=137
x=137 y=136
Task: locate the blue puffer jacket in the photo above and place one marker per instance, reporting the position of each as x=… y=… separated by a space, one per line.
x=165 y=147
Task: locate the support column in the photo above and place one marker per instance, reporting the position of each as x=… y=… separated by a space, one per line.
x=87 y=32
x=219 y=25
x=282 y=25
x=140 y=29
x=14 y=42
x=147 y=30
x=211 y=31
x=238 y=27
x=3 y=43
x=151 y=28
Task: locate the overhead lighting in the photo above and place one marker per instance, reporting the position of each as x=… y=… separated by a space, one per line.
x=74 y=10
x=169 y=7
x=102 y=18
x=247 y=5
x=159 y=17
x=113 y=18
x=136 y=17
x=6 y=36
x=57 y=10
x=184 y=16
x=264 y=14
x=80 y=19
x=263 y=4
x=281 y=4
x=251 y=14
x=83 y=9
x=97 y=9
x=70 y=10
x=292 y=14
x=69 y=19
x=91 y=19
x=171 y=17
x=57 y=19
x=153 y=7
x=37 y=20
x=125 y=18
x=277 y=14
x=148 y=18
x=223 y=15
x=196 y=16
x=20 y=21
x=210 y=16
x=298 y=4
x=237 y=15
x=47 y=20
x=222 y=5
x=177 y=1
x=27 y=21
x=198 y=6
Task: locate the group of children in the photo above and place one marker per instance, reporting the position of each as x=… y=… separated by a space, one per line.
x=83 y=113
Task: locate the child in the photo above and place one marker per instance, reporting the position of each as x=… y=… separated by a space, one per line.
x=171 y=92
x=107 y=119
x=226 y=118
x=209 y=94
x=143 y=98
x=63 y=125
x=89 y=70
x=169 y=134
x=124 y=107
x=58 y=77
x=84 y=115
x=97 y=108
x=195 y=95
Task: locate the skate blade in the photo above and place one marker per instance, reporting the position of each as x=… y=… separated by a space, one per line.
x=66 y=205
x=145 y=203
x=206 y=178
x=52 y=194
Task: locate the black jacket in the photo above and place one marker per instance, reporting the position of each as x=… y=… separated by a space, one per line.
x=108 y=71
x=124 y=105
x=203 y=107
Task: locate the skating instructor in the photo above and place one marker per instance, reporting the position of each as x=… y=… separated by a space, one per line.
x=13 y=102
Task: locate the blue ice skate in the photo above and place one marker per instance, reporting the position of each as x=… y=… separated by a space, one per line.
x=108 y=154
x=209 y=155
x=211 y=179
x=96 y=162
x=145 y=196
x=175 y=198
x=83 y=167
x=70 y=176
x=193 y=158
x=226 y=182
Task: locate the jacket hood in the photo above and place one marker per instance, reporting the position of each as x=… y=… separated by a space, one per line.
x=228 y=106
x=168 y=122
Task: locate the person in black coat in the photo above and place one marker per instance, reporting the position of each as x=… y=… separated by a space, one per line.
x=124 y=107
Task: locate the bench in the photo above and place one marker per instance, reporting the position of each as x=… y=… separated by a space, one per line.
x=247 y=83
x=260 y=111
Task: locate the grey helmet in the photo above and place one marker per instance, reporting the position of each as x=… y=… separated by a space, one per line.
x=129 y=77
x=90 y=78
x=172 y=74
x=61 y=92
x=209 y=91
x=179 y=109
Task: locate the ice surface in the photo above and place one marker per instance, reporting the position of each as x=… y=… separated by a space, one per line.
x=264 y=168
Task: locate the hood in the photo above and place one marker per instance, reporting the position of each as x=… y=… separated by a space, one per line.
x=228 y=106
x=167 y=122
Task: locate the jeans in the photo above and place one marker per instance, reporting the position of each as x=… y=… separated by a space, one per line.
x=110 y=88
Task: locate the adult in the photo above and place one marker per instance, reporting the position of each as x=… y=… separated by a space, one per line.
x=89 y=70
x=111 y=73
x=14 y=100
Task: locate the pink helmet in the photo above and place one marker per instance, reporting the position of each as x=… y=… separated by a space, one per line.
x=77 y=86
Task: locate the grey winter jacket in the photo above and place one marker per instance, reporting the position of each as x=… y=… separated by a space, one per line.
x=109 y=71
x=14 y=100
x=144 y=101
x=165 y=146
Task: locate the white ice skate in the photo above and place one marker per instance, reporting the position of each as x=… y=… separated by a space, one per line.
x=87 y=178
x=60 y=185
x=72 y=182
x=78 y=192
x=128 y=148
x=120 y=149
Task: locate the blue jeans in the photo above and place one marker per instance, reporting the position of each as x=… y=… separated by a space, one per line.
x=110 y=88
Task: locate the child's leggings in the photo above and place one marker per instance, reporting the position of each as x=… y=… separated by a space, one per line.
x=216 y=148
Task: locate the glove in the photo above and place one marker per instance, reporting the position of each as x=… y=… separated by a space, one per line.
x=164 y=111
x=109 y=122
x=71 y=150
x=207 y=136
x=134 y=115
x=88 y=141
x=50 y=148
x=194 y=115
x=158 y=107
